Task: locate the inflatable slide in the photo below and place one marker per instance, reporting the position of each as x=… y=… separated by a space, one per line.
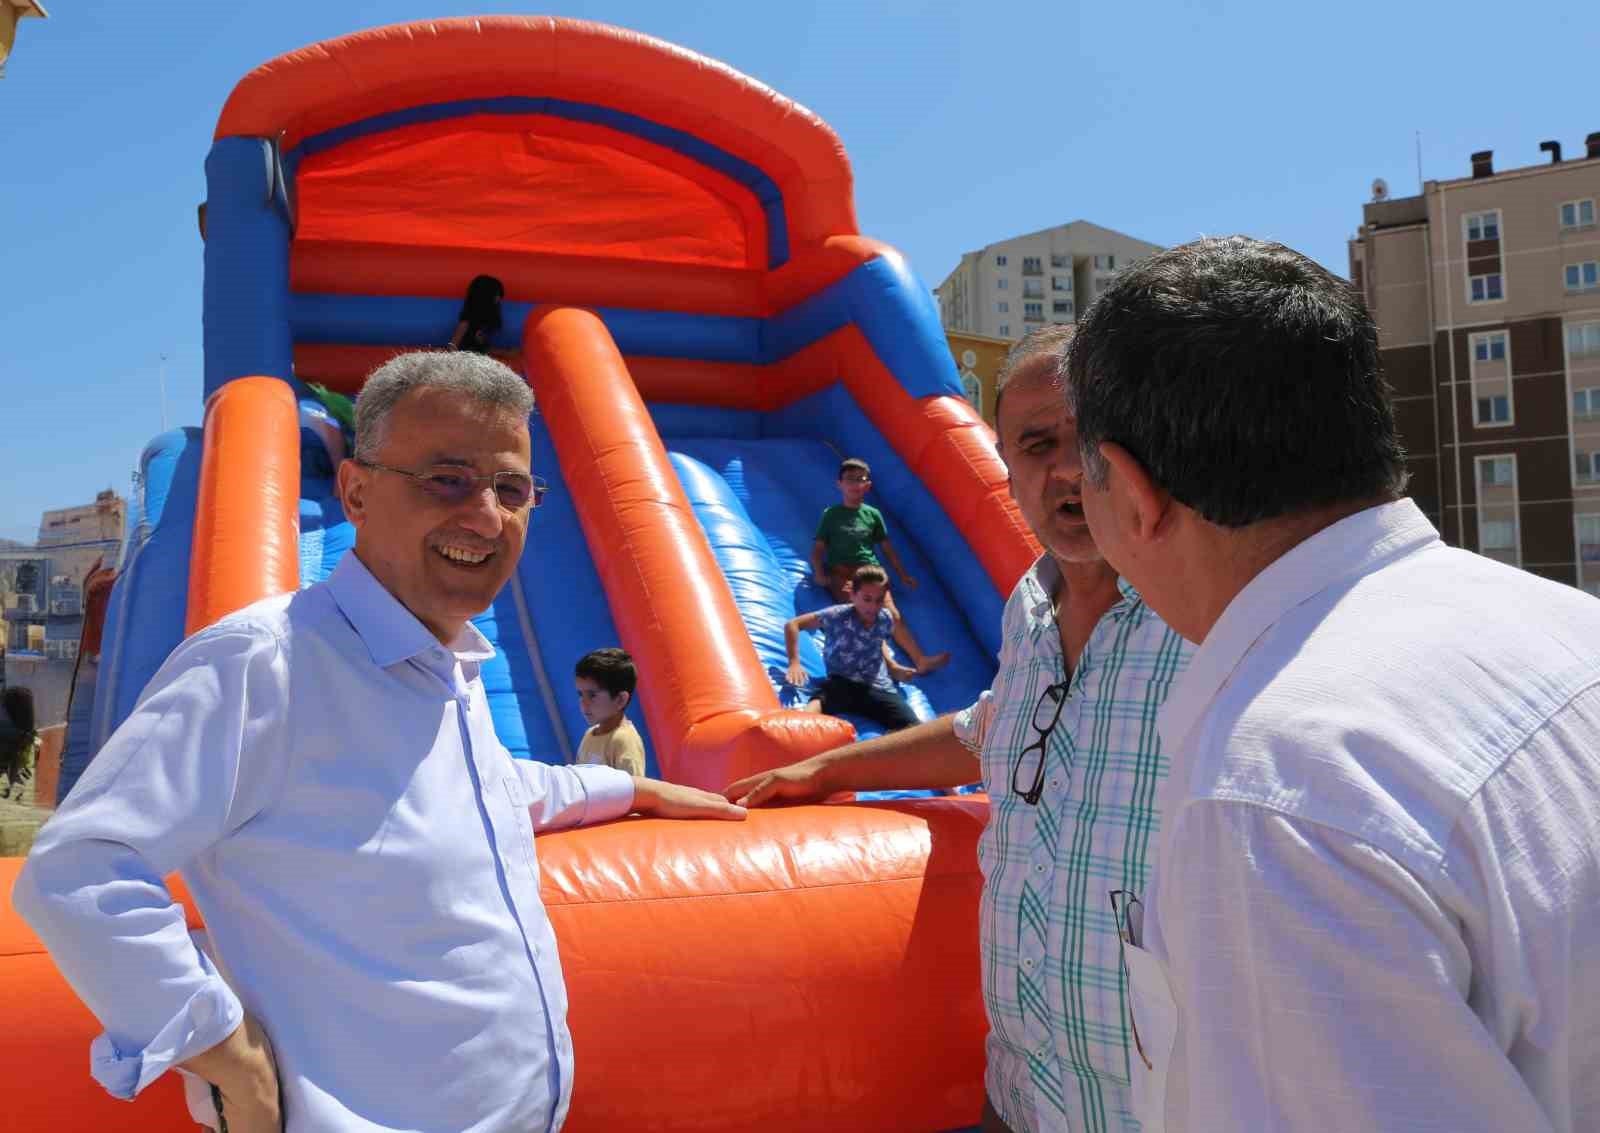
x=707 y=334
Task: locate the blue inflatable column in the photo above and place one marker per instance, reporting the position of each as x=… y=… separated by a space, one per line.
x=247 y=264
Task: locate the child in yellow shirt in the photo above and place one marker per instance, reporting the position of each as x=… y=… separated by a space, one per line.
x=606 y=679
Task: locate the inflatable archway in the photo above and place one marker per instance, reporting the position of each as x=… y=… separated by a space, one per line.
x=707 y=333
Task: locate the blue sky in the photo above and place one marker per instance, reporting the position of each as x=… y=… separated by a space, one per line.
x=1163 y=120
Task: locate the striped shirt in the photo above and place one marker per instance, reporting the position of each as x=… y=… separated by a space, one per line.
x=1053 y=983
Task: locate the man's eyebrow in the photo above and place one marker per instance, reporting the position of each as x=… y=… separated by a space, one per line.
x=450 y=460
x=1034 y=432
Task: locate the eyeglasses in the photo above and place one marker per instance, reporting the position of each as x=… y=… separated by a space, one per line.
x=452 y=486
x=1050 y=704
x=1123 y=903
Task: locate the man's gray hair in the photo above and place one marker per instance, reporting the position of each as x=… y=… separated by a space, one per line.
x=475 y=377
x=1048 y=341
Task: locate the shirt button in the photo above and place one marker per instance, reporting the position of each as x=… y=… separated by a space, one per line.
x=1027 y=963
x=1055 y=784
x=1038 y=867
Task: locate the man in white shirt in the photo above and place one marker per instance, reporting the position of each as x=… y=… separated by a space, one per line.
x=322 y=769
x=1376 y=901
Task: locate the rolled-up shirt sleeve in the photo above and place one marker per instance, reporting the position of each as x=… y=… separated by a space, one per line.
x=564 y=797
x=972 y=722
x=201 y=754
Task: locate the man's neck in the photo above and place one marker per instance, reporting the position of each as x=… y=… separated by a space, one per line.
x=1086 y=592
x=1233 y=557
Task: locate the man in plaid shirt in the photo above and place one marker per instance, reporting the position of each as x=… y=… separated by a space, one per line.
x=1067 y=743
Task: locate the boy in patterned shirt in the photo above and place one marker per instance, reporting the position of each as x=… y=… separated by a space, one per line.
x=856 y=650
x=846 y=536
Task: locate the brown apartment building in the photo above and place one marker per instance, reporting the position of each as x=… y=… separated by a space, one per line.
x=1486 y=291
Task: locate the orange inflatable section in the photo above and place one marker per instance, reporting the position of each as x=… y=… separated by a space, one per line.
x=811 y=968
x=713 y=714
x=246 y=525
x=358 y=76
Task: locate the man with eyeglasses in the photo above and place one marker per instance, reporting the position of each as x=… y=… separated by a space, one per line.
x=322 y=769
x=1066 y=743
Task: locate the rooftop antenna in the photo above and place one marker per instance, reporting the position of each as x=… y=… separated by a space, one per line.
x=1380 y=189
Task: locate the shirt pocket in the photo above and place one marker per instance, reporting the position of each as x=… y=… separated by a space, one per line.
x=520 y=855
x=1154 y=1021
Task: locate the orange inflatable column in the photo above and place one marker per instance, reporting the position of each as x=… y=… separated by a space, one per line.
x=246 y=524
x=712 y=712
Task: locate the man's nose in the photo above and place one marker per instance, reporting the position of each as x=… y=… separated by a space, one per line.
x=481 y=514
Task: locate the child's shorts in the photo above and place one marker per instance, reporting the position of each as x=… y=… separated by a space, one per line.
x=841 y=695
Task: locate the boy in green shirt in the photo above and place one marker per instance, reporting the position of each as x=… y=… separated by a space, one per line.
x=846 y=536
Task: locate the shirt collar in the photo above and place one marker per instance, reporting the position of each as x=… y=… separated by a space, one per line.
x=1355 y=546
x=1044 y=578
x=391 y=632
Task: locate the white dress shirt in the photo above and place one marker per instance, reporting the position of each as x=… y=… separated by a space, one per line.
x=1376 y=903
x=325 y=776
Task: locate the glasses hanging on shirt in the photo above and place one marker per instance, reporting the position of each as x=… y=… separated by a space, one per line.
x=1046 y=715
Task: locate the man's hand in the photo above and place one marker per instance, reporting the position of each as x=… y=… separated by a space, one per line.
x=799 y=782
x=245 y=1074
x=796 y=675
x=673 y=800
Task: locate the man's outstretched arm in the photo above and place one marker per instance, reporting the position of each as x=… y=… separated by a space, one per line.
x=927 y=755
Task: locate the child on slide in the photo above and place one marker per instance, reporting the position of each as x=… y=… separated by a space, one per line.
x=856 y=650
x=846 y=536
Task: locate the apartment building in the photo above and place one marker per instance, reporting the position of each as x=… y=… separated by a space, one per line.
x=1486 y=290
x=1005 y=289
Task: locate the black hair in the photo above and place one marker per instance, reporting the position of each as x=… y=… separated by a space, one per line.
x=16 y=703
x=481 y=308
x=611 y=669
x=1242 y=376
x=853 y=463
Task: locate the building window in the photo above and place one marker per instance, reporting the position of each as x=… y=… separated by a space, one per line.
x=1005 y=330
x=1003 y=307
x=1486 y=288
x=1059 y=261
x=1498 y=535
x=1584 y=466
x=1483 y=225
x=1496 y=470
x=972 y=388
x=1584 y=276
x=1583 y=340
x=1032 y=289
x=1491 y=379
x=999 y=261
x=1061 y=307
x=1033 y=311
x=1577 y=214
x=1061 y=283
x=1105 y=263
x=1031 y=265
x=1589 y=538
x=1586 y=403
x=1002 y=283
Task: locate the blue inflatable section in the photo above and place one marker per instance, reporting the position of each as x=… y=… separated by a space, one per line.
x=758 y=490
x=882 y=297
x=145 y=614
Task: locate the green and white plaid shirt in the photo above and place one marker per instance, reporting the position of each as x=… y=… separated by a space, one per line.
x=1053 y=983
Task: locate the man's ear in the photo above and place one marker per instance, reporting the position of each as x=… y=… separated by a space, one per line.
x=1148 y=505
x=351 y=480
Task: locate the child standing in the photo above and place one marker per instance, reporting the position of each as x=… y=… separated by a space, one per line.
x=606 y=679
x=480 y=315
x=846 y=536
x=856 y=650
